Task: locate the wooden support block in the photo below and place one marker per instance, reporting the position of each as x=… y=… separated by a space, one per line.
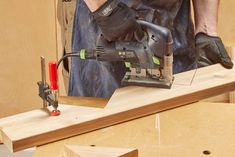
x=36 y=127
x=89 y=151
x=222 y=98
x=84 y=101
x=232 y=94
x=232 y=97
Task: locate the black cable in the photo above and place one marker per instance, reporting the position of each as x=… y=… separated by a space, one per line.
x=71 y=54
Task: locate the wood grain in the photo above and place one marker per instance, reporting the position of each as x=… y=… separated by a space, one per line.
x=35 y=127
x=90 y=151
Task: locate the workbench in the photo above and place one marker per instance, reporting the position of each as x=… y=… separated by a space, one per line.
x=194 y=130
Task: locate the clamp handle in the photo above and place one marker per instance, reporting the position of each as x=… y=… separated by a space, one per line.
x=53 y=75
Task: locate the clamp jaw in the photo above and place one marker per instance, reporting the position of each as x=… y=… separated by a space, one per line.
x=49 y=93
x=48 y=96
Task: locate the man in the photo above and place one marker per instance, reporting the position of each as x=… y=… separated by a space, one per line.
x=117 y=21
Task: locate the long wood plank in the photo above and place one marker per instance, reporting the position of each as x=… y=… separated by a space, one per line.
x=36 y=127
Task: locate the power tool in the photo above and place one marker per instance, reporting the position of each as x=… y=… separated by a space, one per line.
x=149 y=62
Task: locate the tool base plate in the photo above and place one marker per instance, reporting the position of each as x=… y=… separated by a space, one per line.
x=146 y=82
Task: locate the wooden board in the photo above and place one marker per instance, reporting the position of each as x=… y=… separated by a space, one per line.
x=182 y=132
x=91 y=151
x=205 y=84
x=226 y=22
x=222 y=98
x=35 y=127
x=28 y=31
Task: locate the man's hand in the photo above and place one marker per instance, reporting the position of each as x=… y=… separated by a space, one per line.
x=211 y=51
x=118 y=22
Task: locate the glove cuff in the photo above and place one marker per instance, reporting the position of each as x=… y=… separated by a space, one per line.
x=107 y=8
x=205 y=35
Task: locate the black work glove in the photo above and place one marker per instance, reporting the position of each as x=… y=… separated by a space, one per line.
x=211 y=51
x=118 y=22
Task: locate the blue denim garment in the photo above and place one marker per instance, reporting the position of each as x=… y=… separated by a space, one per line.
x=91 y=78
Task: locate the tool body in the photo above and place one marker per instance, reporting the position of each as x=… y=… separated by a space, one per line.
x=149 y=62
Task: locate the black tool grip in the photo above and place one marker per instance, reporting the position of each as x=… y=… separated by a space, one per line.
x=113 y=55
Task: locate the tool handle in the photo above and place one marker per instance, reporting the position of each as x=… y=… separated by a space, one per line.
x=53 y=75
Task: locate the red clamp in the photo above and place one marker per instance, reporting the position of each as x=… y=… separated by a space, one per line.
x=54 y=83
